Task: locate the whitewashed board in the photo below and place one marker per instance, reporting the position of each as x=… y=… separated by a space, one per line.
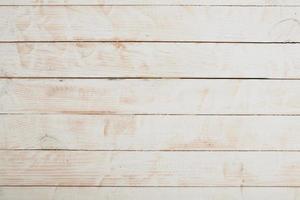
x=91 y=96
x=134 y=168
x=150 y=132
x=148 y=193
x=122 y=60
x=127 y=99
x=149 y=23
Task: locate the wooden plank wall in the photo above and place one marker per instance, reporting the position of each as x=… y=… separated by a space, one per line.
x=132 y=100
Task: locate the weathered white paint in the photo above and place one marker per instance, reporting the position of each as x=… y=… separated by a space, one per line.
x=149 y=20
x=90 y=168
x=149 y=23
x=150 y=96
x=115 y=132
x=152 y=2
x=157 y=193
x=149 y=60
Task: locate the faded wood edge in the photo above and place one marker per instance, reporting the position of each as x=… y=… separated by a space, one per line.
x=164 y=150
x=141 y=114
x=142 y=186
x=225 y=4
x=143 y=78
x=148 y=41
x=158 y=193
x=102 y=161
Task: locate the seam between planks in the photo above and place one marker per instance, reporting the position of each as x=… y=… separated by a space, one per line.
x=146 y=78
x=148 y=150
x=145 y=41
x=138 y=114
x=144 y=186
x=144 y=5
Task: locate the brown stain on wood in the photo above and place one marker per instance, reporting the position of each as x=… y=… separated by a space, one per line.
x=24 y=48
x=119 y=126
x=24 y=51
x=106 y=10
x=199 y=143
x=23 y=23
x=86 y=49
x=58 y=91
x=77 y=125
x=105 y=128
x=123 y=55
x=119 y=45
x=61 y=90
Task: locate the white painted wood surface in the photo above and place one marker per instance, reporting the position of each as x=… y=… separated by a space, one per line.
x=68 y=120
x=149 y=60
x=158 y=193
x=149 y=23
x=133 y=168
x=150 y=96
x=138 y=132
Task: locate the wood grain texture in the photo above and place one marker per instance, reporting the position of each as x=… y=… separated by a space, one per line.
x=106 y=193
x=150 y=2
x=149 y=60
x=134 y=133
x=112 y=132
x=149 y=23
x=90 y=168
x=150 y=96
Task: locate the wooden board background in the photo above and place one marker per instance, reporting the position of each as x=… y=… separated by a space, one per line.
x=150 y=60
x=119 y=100
x=150 y=23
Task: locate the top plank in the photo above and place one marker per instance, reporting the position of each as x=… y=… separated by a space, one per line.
x=150 y=23
x=151 y=2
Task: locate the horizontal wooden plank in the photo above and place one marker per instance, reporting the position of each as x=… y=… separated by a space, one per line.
x=162 y=96
x=149 y=2
x=112 y=132
x=149 y=60
x=127 y=193
x=91 y=168
x=149 y=23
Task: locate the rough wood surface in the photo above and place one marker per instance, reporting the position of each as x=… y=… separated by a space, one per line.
x=92 y=95
x=158 y=193
x=150 y=23
x=149 y=60
x=151 y=2
x=90 y=168
x=150 y=96
x=112 y=132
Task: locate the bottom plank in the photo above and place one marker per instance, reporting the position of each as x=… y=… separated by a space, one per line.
x=94 y=193
x=92 y=168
